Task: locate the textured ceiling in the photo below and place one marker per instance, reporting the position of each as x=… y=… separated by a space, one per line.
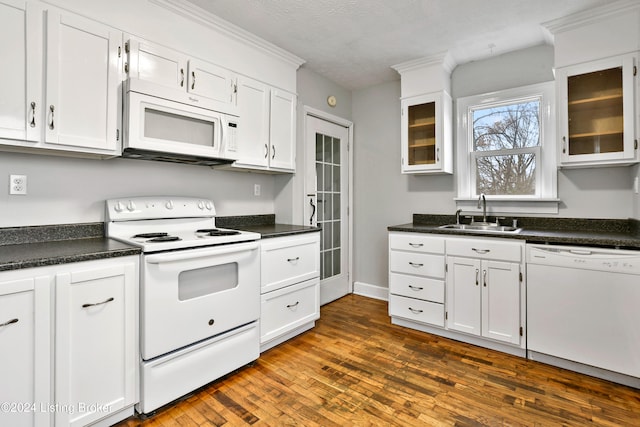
x=354 y=42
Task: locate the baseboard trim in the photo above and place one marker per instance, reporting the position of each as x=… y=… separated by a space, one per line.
x=371 y=291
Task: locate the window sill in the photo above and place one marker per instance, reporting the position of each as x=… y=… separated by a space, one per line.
x=510 y=206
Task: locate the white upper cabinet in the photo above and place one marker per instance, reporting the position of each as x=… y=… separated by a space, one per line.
x=426 y=116
x=82 y=83
x=78 y=108
x=167 y=67
x=596 y=59
x=597 y=112
x=21 y=62
x=266 y=135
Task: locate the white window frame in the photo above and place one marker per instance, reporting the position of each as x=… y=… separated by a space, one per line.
x=545 y=199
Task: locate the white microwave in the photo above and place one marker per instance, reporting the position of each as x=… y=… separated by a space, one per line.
x=169 y=125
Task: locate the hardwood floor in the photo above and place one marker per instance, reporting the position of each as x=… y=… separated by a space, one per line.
x=356 y=369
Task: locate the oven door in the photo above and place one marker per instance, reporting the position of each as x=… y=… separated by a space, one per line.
x=193 y=294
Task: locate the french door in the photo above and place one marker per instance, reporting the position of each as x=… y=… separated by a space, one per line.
x=327 y=202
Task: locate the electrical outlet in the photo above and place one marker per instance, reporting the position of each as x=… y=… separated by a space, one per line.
x=256 y=189
x=17 y=184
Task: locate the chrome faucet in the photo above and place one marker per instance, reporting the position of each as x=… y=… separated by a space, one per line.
x=458 y=216
x=483 y=201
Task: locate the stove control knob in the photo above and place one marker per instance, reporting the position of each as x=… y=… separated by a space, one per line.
x=131 y=206
x=209 y=206
x=169 y=205
x=118 y=207
x=200 y=204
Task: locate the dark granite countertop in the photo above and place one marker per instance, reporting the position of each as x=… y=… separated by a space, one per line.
x=263 y=224
x=27 y=247
x=568 y=231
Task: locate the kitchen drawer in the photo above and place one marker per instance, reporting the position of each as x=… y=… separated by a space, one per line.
x=416 y=242
x=422 y=288
x=416 y=263
x=286 y=309
x=496 y=249
x=430 y=313
x=289 y=260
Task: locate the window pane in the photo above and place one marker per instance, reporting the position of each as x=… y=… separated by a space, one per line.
x=506 y=175
x=507 y=127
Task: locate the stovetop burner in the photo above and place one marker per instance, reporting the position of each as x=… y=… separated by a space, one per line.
x=149 y=235
x=165 y=239
x=217 y=232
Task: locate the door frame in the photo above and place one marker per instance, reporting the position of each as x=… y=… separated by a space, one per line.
x=339 y=121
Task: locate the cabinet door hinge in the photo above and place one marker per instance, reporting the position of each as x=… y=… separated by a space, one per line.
x=521 y=331
x=119 y=51
x=446 y=268
x=126 y=47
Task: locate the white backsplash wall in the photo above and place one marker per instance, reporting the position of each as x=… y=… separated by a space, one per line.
x=64 y=190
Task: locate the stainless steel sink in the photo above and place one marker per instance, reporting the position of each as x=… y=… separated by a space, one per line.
x=482 y=227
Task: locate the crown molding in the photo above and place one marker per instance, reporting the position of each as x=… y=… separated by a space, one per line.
x=208 y=19
x=591 y=16
x=444 y=59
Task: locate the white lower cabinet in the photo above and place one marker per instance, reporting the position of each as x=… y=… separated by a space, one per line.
x=26 y=351
x=416 y=278
x=290 y=287
x=484 y=288
x=95 y=340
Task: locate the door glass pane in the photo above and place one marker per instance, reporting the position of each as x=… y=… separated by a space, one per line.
x=422 y=134
x=595 y=112
x=328 y=173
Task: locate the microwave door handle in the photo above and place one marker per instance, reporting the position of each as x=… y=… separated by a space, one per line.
x=190 y=255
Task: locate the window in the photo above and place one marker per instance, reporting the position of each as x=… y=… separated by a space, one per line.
x=506 y=148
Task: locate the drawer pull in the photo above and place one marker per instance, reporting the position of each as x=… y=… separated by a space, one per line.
x=9 y=322
x=416 y=245
x=293 y=259
x=481 y=251
x=415 y=311
x=415 y=264
x=416 y=288
x=293 y=305
x=97 y=303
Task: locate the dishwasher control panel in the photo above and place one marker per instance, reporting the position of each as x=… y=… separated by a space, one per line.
x=587 y=258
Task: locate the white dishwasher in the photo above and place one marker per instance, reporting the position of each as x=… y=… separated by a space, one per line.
x=583 y=305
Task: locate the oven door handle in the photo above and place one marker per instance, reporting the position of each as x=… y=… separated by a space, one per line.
x=191 y=254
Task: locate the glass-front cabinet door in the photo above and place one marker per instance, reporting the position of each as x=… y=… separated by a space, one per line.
x=597 y=112
x=426 y=134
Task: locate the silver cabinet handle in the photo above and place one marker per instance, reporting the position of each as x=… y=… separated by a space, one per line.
x=51 y=123
x=33 y=115
x=293 y=259
x=97 y=303
x=193 y=80
x=484 y=278
x=416 y=311
x=266 y=151
x=477 y=271
x=293 y=305
x=415 y=264
x=181 y=77
x=481 y=251
x=273 y=155
x=415 y=288
x=416 y=245
x=9 y=322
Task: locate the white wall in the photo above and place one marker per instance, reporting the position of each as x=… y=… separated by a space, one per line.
x=65 y=190
x=385 y=197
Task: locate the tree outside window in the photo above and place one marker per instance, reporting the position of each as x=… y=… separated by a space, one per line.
x=506 y=147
